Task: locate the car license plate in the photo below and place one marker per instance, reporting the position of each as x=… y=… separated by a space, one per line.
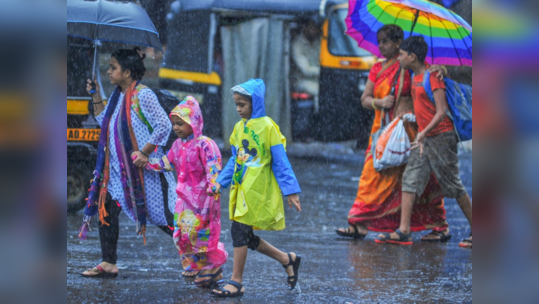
x=83 y=134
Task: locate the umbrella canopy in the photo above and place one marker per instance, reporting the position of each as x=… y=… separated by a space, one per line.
x=448 y=35
x=115 y=21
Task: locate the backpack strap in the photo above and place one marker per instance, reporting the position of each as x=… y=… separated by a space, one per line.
x=430 y=94
x=427 y=86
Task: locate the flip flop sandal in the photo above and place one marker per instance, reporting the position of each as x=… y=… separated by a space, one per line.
x=183 y=274
x=404 y=239
x=293 y=280
x=348 y=233
x=466 y=243
x=101 y=273
x=227 y=293
x=210 y=282
x=442 y=237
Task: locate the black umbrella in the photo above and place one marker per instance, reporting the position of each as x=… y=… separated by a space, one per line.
x=114 y=21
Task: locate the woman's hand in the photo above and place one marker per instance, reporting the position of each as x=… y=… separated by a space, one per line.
x=293 y=199
x=141 y=160
x=440 y=69
x=387 y=102
x=97 y=95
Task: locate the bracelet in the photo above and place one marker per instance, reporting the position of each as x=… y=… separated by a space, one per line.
x=98 y=102
x=142 y=152
x=373 y=105
x=445 y=70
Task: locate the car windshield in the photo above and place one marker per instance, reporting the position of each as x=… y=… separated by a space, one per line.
x=339 y=43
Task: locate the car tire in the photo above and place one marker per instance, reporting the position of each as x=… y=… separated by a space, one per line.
x=78 y=182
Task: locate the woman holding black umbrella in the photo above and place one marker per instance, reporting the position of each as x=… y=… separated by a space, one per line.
x=133 y=126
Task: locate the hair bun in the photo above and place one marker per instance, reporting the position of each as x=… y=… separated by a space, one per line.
x=140 y=53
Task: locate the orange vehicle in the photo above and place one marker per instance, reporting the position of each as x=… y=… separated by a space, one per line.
x=344 y=70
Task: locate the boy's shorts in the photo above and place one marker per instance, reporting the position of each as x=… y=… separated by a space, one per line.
x=243 y=235
x=439 y=156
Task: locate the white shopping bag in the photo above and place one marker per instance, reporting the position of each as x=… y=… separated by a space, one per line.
x=393 y=146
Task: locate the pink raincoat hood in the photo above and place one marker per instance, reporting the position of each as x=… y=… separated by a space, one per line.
x=189 y=111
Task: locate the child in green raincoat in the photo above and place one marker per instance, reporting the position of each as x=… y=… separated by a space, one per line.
x=260 y=173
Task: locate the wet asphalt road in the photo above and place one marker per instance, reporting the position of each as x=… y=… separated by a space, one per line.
x=333 y=270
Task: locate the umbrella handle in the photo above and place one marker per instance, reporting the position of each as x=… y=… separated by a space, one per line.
x=93 y=89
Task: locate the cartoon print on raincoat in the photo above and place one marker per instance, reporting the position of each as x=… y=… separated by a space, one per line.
x=197 y=218
x=246 y=158
x=258 y=180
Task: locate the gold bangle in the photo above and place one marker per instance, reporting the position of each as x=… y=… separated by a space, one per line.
x=445 y=70
x=373 y=105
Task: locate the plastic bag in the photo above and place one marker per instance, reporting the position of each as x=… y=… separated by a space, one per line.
x=392 y=148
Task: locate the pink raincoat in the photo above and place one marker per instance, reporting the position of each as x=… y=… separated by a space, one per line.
x=197 y=217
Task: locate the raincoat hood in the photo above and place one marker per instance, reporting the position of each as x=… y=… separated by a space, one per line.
x=189 y=111
x=257 y=90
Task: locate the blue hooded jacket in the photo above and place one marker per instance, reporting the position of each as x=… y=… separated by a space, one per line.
x=258 y=156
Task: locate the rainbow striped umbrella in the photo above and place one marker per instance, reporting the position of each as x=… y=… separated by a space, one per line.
x=448 y=35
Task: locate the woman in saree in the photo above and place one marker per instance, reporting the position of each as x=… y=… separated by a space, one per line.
x=133 y=127
x=378 y=201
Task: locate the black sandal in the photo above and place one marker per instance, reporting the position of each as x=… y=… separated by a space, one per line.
x=348 y=233
x=404 y=239
x=442 y=237
x=227 y=293
x=293 y=280
x=210 y=282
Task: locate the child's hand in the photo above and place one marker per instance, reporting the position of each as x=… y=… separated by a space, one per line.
x=216 y=189
x=419 y=141
x=294 y=199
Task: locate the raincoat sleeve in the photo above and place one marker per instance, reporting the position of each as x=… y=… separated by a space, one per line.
x=211 y=160
x=282 y=169
x=165 y=163
x=161 y=165
x=156 y=116
x=225 y=178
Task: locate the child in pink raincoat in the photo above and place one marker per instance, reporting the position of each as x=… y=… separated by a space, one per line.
x=197 y=217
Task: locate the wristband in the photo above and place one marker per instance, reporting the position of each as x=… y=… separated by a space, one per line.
x=97 y=102
x=142 y=152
